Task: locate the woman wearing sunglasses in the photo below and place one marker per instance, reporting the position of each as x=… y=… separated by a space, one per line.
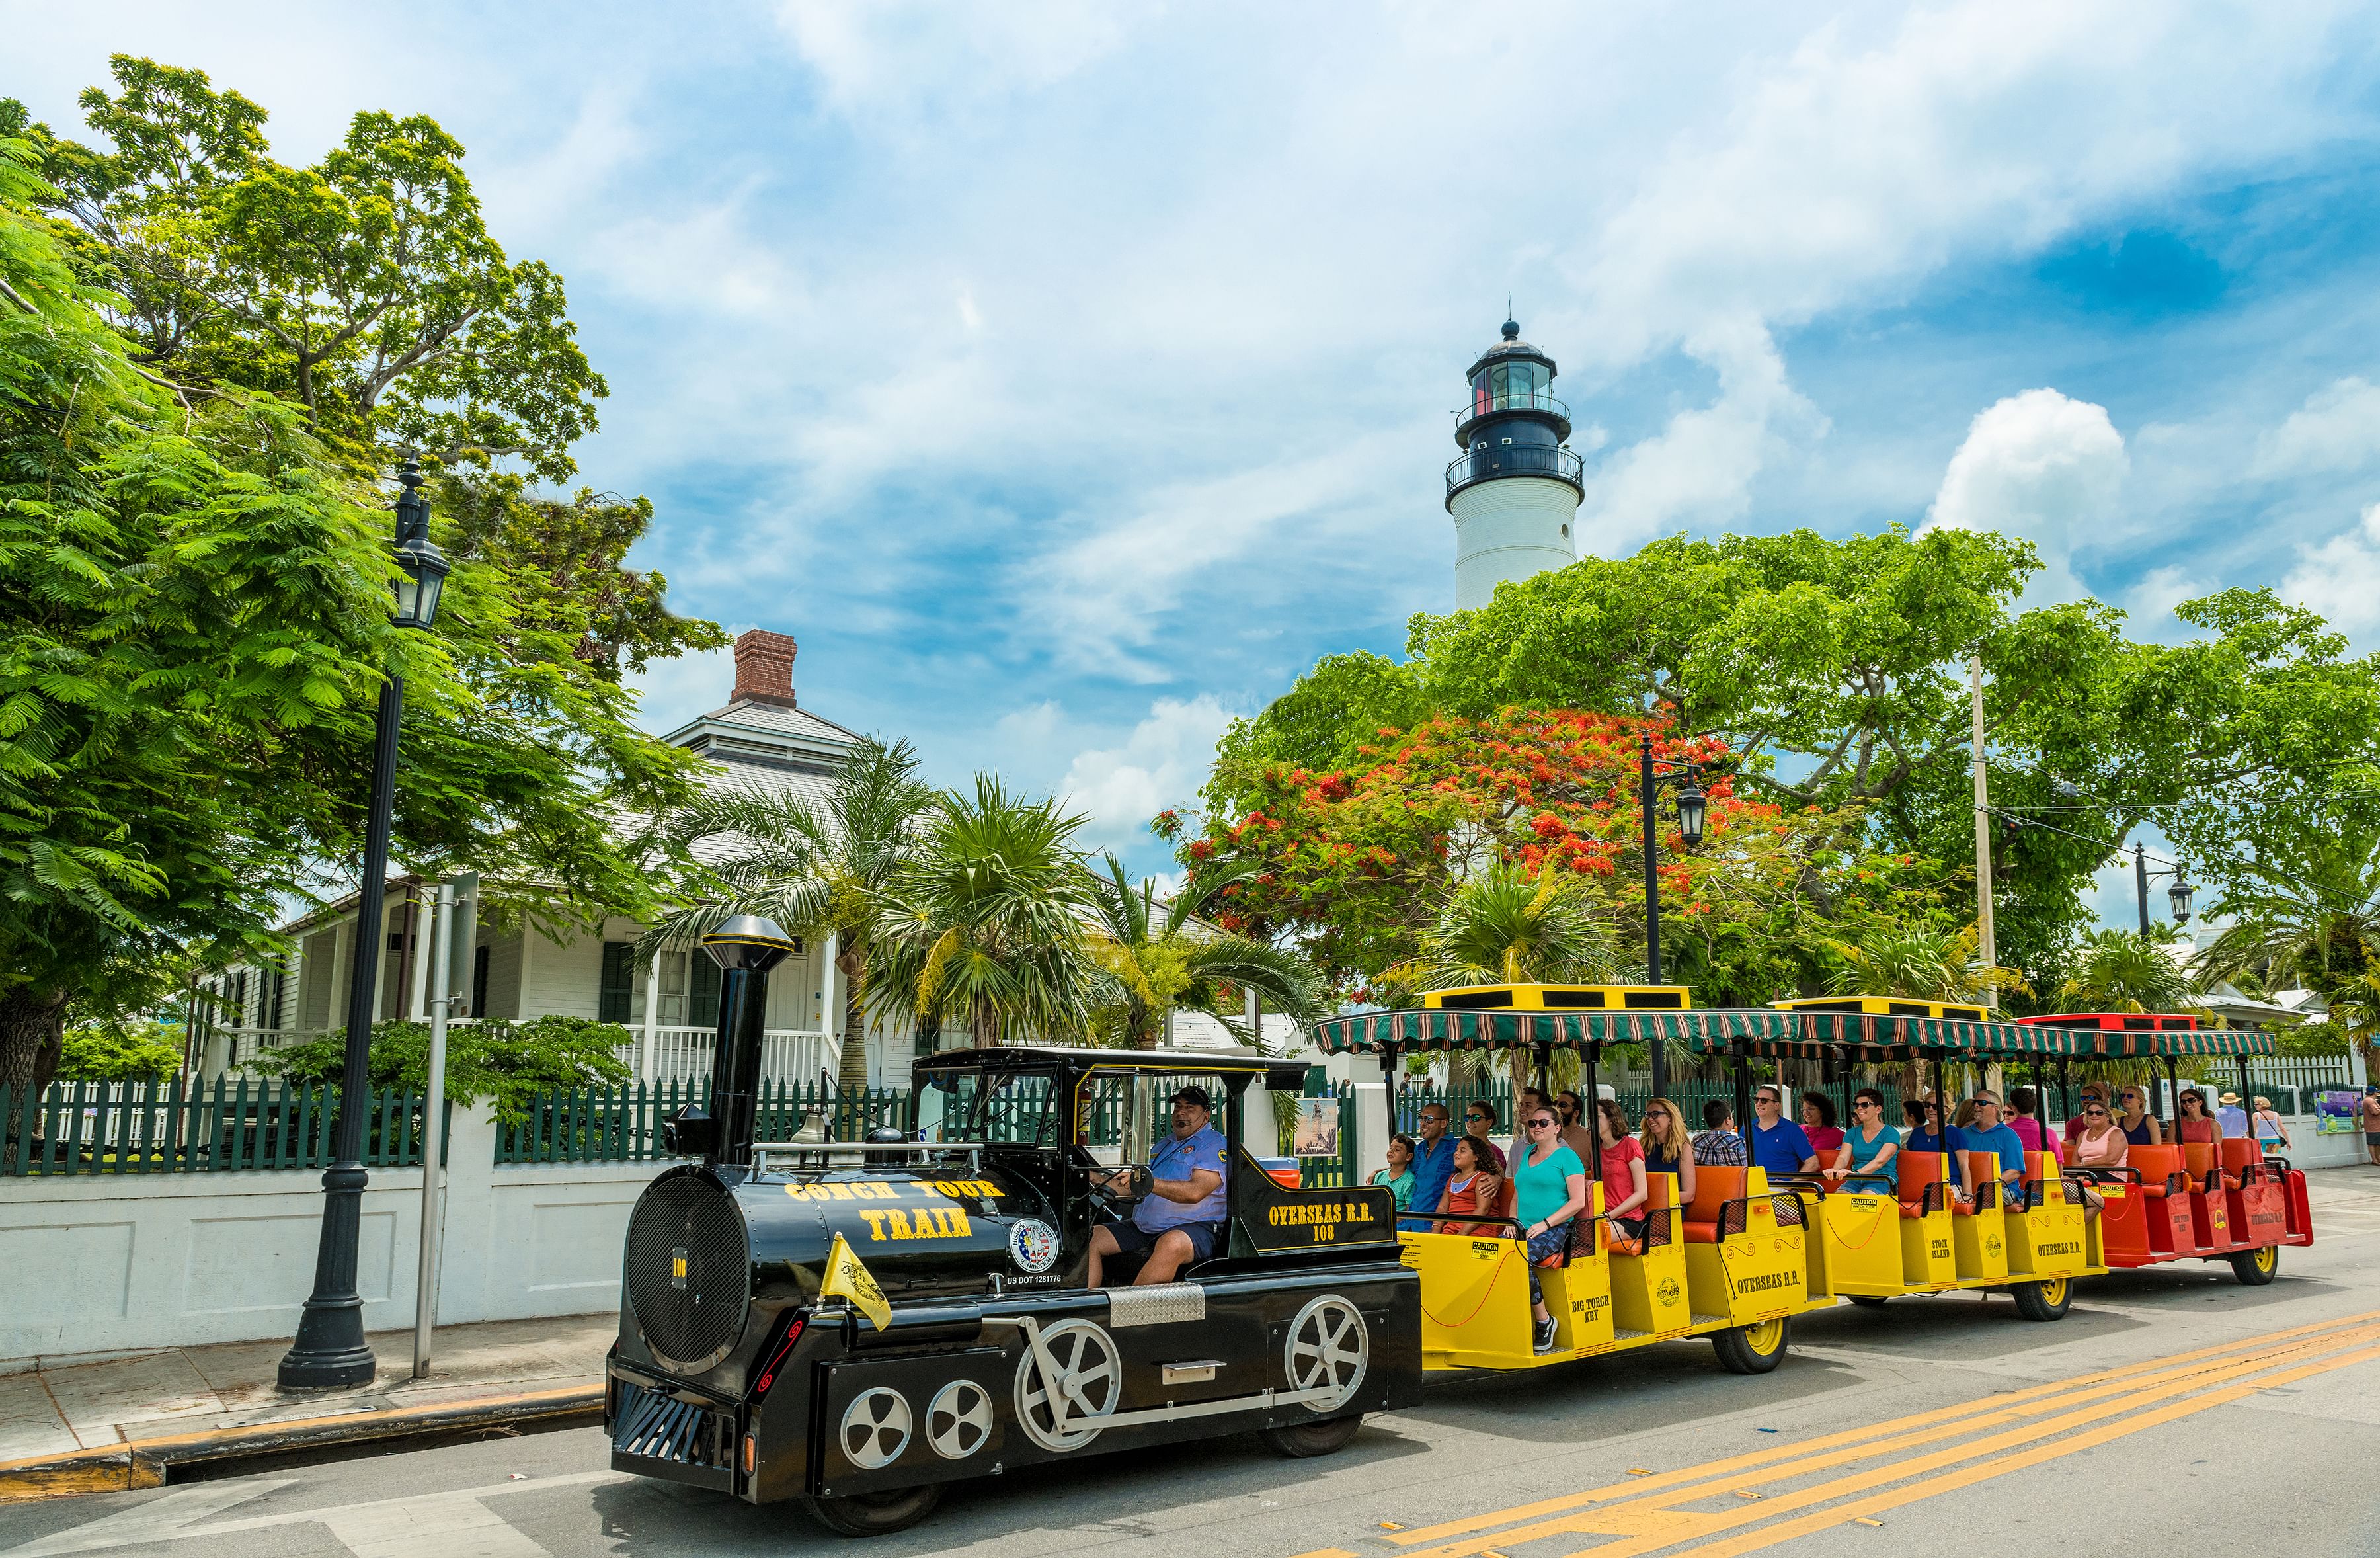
x=1870 y=1145
x=2197 y=1124
x=1549 y=1188
x=2139 y=1127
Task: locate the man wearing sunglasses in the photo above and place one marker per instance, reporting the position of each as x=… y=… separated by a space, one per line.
x=1433 y=1163
x=1777 y=1144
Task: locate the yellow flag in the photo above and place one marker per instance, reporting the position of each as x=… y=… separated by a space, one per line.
x=846 y=1278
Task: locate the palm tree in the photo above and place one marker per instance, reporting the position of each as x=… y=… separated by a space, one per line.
x=1160 y=963
x=983 y=924
x=2124 y=971
x=810 y=866
x=2306 y=911
x=1504 y=926
x=1921 y=962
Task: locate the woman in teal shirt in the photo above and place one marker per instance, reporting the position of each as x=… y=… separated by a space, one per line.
x=1870 y=1145
x=1549 y=1189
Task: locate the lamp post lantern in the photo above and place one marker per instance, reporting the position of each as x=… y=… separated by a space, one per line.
x=330 y=1352
x=2179 y=895
x=1692 y=811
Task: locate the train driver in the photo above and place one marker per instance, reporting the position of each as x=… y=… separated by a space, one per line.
x=1183 y=1217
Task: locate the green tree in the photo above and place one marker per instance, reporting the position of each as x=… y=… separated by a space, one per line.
x=1507 y=926
x=139 y=1051
x=1923 y=961
x=986 y=923
x=1161 y=963
x=2306 y=913
x=2125 y=971
x=813 y=867
x=506 y=1063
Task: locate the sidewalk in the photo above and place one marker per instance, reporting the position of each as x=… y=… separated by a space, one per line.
x=92 y=1425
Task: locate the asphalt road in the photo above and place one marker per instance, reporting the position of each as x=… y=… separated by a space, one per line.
x=2171 y=1411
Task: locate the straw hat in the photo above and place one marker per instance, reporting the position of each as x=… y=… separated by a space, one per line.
x=2230 y=1098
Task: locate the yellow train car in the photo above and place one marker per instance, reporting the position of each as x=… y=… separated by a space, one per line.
x=1559 y=998
x=1887 y=1005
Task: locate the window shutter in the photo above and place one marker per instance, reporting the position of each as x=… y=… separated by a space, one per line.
x=479 y=981
x=702 y=995
x=618 y=985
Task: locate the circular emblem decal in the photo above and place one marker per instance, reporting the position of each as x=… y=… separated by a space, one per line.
x=1033 y=1244
x=1668 y=1291
x=1991 y=1244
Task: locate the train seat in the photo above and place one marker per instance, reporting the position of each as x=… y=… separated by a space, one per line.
x=1917 y=1171
x=2154 y=1164
x=2203 y=1159
x=2240 y=1154
x=1715 y=1185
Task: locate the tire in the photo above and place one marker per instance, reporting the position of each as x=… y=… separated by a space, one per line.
x=1866 y=1300
x=2256 y=1267
x=1751 y=1349
x=876 y=1515
x=2047 y=1299
x=1302 y=1441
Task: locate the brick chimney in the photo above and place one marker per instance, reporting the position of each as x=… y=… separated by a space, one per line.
x=764 y=667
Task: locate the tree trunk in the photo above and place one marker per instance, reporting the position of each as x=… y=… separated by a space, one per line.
x=851 y=1059
x=32 y=1026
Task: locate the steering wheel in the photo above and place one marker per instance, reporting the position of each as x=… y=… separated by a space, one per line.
x=1120 y=1189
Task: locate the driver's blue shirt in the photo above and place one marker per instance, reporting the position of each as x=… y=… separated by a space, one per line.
x=1179 y=1158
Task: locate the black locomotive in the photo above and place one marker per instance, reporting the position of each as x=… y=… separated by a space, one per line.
x=739 y=1368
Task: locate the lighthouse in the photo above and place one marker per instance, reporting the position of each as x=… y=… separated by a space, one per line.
x=1516 y=487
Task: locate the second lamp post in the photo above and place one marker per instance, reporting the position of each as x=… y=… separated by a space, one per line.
x=1656 y=773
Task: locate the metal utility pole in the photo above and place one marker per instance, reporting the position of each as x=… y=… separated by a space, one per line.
x=1657 y=1054
x=434 y=1110
x=1982 y=834
x=2141 y=880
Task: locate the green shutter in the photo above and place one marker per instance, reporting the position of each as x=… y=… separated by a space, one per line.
x=619 y=981
x=701 y=991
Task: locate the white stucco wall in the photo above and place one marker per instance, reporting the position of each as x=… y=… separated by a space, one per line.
x=1511 y=527
x=126 y=1262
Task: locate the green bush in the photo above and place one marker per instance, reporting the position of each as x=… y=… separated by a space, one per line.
x=2325 y=1038
x=144 y=1052
x=505 y=1062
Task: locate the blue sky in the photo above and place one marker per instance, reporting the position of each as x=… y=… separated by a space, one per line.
x=1066 y=377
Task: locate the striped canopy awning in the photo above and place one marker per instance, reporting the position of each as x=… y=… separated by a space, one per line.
x=1865 y=1036
x=2098 y=1043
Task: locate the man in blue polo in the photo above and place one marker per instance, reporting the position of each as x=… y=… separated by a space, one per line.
x=1181 y=1219
x=1777 y=1144
x=1989 y=1132
x=1433 y=1164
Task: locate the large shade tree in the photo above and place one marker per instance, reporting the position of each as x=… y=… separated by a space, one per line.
x=1160 y=958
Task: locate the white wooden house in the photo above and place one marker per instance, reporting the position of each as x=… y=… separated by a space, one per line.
x=760 y=737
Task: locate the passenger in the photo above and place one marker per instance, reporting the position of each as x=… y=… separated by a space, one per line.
x=1777 y=1144
x=1667 y=1148
x=1572 y=1114
x=1819 y=1126
x=2271 y=1133
x=2232 y=1118
x=1531 y=1099
x=1399 y=1176
x=2090 y=1091
x=1482 y=1121
x=1182 y=1218
x=1549 y=1189
x=2196 y=1123
x=1625 y=1193
x=1474 y=1190
x=2141 y=1127
x=1433 y=1164
x=2097 y=1144
x=1965 y=1115
x=1924 y=1135
x=1870 y=1145
x=1716 y=1143
x=2370 y=1110
x=2025 y=1118
x=1986 y=1133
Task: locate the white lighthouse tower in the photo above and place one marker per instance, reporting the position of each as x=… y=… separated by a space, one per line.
x=1517 y=486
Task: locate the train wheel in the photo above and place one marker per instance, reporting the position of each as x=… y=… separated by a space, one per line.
x=1303 y=1439
x=2047 y=1299
x=1866 y=1300
x=2256 y=1267
x=1751 y=1349
x=876 y=1514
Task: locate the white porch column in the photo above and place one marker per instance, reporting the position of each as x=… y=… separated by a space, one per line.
x=520 y=999
x=830 y=1009
x=652 y=1018
x=417 y=1005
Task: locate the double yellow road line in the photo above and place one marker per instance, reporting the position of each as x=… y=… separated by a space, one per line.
x=1920 y=1456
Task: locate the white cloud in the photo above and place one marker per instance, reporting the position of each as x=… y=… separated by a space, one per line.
x=1161 y=764
x=2336 y=429
x=873 y=55
x=2040 y=466
x=2341 y=577
x=2149 y=603
x=671 y=692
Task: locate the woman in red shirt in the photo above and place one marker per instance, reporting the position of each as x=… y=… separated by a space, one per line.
x=1624 y=1190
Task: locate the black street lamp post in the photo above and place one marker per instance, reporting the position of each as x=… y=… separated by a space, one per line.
x=2177 y=894
x=1691 y=805
x=330 y=1351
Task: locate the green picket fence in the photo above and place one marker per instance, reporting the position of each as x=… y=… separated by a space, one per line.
x=165 y=1128
x=623 y=1123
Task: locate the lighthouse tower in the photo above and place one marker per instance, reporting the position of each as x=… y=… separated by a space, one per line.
x=1516 y=488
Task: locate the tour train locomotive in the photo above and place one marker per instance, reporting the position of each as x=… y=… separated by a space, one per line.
x=859 y=1324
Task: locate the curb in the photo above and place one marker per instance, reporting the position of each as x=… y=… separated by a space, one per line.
x=143 y=1463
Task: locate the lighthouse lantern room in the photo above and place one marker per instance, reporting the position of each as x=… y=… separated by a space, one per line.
x=1515 y=489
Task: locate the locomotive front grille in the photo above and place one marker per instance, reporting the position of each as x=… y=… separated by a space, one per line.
x=689 y=1263
x=662 y=1428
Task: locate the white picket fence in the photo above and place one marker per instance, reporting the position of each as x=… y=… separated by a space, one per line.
x=658 y=1053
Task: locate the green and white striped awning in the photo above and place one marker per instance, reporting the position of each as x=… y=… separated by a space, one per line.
x=1864 y=1036
x=2101 y=1043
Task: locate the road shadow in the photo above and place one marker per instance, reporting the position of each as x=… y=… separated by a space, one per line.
x=1953 y=1327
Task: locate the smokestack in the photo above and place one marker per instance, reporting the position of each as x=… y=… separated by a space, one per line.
x=746 y=948
x=764 y=667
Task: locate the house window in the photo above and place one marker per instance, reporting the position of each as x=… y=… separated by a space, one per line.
x=702 y=1000
x=235 y=1007
x=276 y=985
x=617 y=994
x=479 y=982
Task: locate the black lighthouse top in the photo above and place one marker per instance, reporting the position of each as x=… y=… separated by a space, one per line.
x=1511 y=380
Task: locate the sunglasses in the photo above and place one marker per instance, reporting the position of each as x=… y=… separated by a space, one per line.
x=1865 y=1104
x=2094 y=1109
x=1541 y=1125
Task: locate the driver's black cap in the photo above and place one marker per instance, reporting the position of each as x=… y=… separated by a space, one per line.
x=1196 y=1095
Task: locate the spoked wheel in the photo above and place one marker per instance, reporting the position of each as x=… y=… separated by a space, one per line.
x=1866 y=1300
x=1326 y=1353
x=1089 y=1377
x=2256 y=1267
x=876 y=1514
x=1751 y=1349
x=2047 y=1299
x=1303 y=1439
